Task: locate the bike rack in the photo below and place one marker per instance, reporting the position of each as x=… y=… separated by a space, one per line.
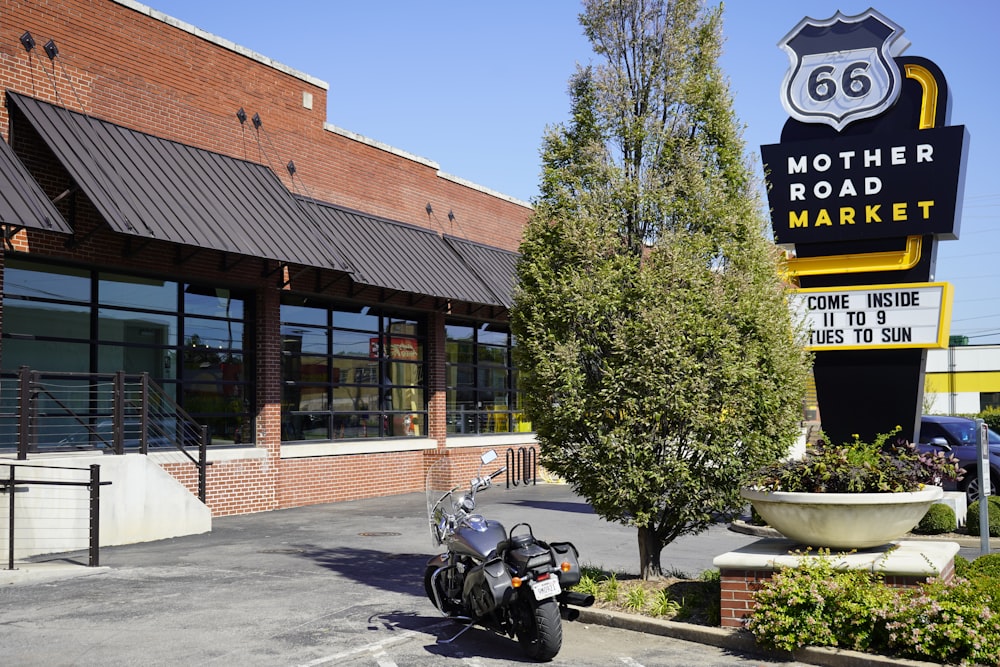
x=522 y=466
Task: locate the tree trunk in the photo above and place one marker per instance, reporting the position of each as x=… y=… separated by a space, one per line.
x=649 y=554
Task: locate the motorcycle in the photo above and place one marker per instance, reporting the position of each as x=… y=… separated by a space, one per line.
x=511 y=583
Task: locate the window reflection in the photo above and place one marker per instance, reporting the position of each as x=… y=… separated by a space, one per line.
x=360 y=377
x=195 y=353
x=481 y=380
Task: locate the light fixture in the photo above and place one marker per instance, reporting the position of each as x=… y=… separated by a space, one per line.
x=291 y=167
x=51 y=50
x=27 y=41
x=451 y=216
x=242 y=115
x=429 y=209
x=257 y=122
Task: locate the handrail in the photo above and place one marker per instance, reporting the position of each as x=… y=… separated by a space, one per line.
x=99 y=408
x=93 y=484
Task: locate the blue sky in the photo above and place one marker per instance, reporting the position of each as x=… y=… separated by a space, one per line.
x=472 y=86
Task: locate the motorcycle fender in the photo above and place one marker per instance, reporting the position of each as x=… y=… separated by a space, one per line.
x=487 y=587
x=438 y=561
x=565 y=552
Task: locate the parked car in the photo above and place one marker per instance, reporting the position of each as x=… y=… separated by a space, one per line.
x=957 y=435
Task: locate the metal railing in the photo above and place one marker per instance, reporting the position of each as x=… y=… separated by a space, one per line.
x=115 y=413
x=10 y=483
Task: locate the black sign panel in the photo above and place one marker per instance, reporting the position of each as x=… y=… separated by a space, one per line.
x=850 y=188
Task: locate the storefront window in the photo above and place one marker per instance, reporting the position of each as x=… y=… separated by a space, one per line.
x=350 y=373
x=191 y=339
x=482 y=391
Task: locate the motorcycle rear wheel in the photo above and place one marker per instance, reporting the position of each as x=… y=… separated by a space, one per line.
x=540 y=635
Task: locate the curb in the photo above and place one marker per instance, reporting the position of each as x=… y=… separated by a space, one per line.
x=43 y=572
x=741 y=641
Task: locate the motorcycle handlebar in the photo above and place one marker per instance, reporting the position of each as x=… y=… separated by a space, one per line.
x=499 y=472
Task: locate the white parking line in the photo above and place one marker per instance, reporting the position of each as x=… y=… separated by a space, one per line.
x=630 y=662
x=376 y=649
x=383 y=660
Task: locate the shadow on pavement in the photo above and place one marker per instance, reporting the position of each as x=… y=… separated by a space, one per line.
x=579 y=508
x=394 y=572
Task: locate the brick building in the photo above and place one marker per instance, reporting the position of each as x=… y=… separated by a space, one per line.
x=177 y=205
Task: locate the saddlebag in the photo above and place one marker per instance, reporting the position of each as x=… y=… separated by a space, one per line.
x=487 y=587
x=565 y=552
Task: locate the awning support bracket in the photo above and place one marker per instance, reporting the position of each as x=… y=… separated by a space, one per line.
x=225 y=264
x=130 y=248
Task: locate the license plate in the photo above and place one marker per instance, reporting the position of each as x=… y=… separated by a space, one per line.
x=546 y=588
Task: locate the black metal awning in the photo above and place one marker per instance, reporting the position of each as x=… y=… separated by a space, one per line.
x=22 y=202
x=398 y=256
x=497 y=268
x=154 y=188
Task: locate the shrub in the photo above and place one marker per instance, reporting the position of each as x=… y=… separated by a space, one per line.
x=816 y=605
x=992 y=418
x=962 y=566
x=951 y=623
x=984 y=566
x=993 y=512
x=940 y=518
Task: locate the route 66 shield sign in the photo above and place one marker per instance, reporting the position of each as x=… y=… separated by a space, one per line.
x=842 y=68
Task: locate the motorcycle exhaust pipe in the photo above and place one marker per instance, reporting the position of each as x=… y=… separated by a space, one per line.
x=577 y=599
x=569 y=614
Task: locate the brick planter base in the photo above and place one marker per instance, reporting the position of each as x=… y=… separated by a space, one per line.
x=904 y=563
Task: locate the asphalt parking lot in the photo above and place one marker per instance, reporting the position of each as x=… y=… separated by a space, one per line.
x=325 y=584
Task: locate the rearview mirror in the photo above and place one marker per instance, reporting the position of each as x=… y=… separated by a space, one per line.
x=488 y=456
x=940 y=442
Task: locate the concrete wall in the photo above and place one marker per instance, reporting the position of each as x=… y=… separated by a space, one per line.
x=143 y=503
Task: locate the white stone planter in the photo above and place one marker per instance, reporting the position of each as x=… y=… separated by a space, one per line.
x=843 y=520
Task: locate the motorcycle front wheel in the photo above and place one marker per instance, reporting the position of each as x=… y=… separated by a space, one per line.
x=540 y=631
x=449 y=608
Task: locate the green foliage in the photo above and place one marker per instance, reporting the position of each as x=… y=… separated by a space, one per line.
x=992 y=418
x=609 y=588
x=818 y=605
x=950 y=623
x=636 y=598
x=962 y=566
x=993 y=513
x=940 y=518
x=887 y=464
x=663 y=604
x=984 y=566
x=658 y=358
x=588 y=584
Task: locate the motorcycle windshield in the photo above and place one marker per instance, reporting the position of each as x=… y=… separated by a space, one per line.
x=439 y=498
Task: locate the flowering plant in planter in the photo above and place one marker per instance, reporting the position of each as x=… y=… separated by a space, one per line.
x=857 y=495
x=887 y=464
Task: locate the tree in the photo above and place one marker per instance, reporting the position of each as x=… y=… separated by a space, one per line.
x=659 y=361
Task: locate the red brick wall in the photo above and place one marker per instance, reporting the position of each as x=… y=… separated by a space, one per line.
x=136 y=71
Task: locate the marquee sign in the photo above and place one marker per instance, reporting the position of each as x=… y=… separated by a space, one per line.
x=867 y=178
x=863 y=187
x=876 y=316
x=842 y=68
